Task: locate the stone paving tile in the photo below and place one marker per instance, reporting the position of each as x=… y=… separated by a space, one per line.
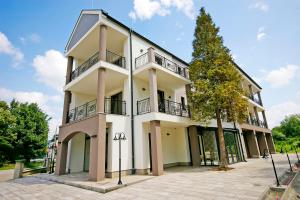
x=247 y=181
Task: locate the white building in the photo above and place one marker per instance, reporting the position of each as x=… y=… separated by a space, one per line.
x=119 y=81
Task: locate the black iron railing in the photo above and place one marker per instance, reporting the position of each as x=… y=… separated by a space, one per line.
x=83 y=111
x=110 y=57
x=90 y=108
x=117 y=107
x=115 y=59
x=141 y=60
x=255 y=122
x=165 y=106
x=255 y=99
x=143 y=106
x=164 y=62
x=173 y=108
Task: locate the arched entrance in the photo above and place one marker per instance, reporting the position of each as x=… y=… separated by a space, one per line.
x=92 y=152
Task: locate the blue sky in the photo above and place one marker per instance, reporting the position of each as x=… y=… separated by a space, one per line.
x=263 y=36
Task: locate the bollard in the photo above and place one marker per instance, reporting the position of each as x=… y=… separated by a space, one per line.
x=297 y=154
x=18 y=172
x=274 y=168
x=289 y=161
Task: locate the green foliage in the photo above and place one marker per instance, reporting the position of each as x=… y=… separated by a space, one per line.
x=216 y=83
x=287 y=135
x=216 y=90
x=23 y=131
x=7 y=121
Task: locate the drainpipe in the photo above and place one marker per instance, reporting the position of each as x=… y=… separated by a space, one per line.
x=131 y=107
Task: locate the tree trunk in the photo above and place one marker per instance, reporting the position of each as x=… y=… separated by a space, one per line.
x=223 y=163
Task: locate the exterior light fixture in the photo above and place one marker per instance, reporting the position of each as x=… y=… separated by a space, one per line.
x=118 y=137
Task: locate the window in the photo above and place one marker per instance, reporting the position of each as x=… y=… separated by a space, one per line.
x=183 y=103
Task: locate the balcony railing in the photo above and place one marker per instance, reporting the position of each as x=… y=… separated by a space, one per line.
x=255 y=122
x=83 y=111
x=110 y=57
x=117 y=107
x=90 y=108
x=162 y=61
x=165 y=106
x=256 y=100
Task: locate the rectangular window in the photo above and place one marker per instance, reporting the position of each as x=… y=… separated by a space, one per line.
x=183 y=103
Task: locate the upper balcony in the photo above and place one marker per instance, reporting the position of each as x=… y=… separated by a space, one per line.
x=168 y=71
x=117 y=107
x=111 y=57
x=164 y=106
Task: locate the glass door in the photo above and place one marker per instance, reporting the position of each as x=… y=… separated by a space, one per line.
x=231 y=145
x=210 y=148
x=116 y=104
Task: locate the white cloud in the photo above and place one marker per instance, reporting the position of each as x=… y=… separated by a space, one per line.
x=261 y=34
x=33 y=38
x=180 y=36
x=7 y=48
x=52 y=105
x=260 y=5
x=282 y=76
x=278 y=112
x=50 y=69
x=146 y=9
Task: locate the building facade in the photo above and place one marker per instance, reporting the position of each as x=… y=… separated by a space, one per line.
x=119 y=81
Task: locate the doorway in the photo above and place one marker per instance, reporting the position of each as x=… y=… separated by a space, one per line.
x=161 y=101
x=116 y=103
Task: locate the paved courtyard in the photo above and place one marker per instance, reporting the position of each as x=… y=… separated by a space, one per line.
x=246 y=181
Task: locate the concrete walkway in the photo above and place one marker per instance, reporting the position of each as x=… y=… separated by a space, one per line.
x=6 y=175
x=247 y=181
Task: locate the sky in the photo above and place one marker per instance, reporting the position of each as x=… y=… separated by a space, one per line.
x=263 y=37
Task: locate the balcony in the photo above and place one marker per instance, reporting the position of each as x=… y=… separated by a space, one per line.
x=255 y=122
x=117 y=107
x=163 y=62
x=255 y=99
x=110 y=58
x=165 y=106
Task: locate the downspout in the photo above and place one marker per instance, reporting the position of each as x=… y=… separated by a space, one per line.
x=131 y=107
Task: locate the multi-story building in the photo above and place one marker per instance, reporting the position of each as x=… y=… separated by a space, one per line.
x=119 y=81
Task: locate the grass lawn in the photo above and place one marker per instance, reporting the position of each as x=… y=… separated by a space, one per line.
x=7 y=166
x=31 y=165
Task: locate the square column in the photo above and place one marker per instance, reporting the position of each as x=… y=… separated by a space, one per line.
x=194 y=145
x=102 y=42
x=67 y=101
x=69 y=69
x=101 y=90
x=156 y=148
x=265 y=119
x=252 y=144
x=61 y=158
x=256 y=115
x=153 y=90
x=262 y=143
x=97 y=152
x=270 y=143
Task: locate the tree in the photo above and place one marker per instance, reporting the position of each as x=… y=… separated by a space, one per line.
x=31 y=130
x=216 y=90
x=7 y=120
x=290 y=126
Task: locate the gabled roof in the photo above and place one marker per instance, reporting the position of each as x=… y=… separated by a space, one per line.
x=92 y=20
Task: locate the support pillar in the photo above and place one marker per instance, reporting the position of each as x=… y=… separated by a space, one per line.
x=153 y=90
x=194 y=145
x=265 y=119
x=101 y=90
x=259 y=98
x=252 y=144
x=256 y=115
x=151 y=57
x=251 y=91
x=156 y=148
x=61 y=158
x=69 y=69
x=262 y=143
x=102 y=42
x=97 y=152
x=270 y=143
x=67 y=101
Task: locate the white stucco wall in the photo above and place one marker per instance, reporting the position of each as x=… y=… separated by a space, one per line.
x=77 y=153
